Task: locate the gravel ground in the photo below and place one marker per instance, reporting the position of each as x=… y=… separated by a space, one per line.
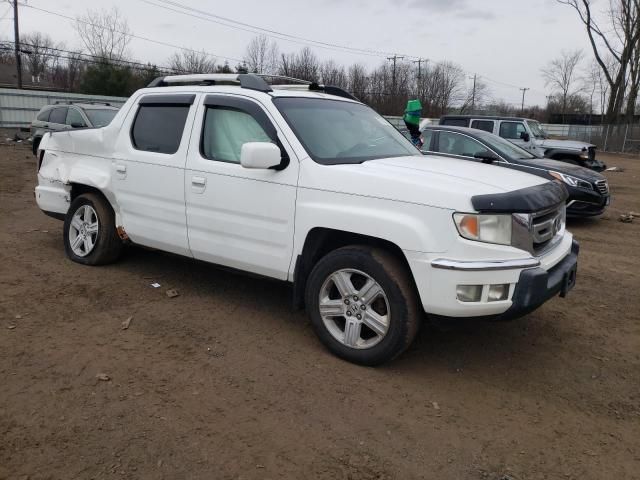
x=227 y=381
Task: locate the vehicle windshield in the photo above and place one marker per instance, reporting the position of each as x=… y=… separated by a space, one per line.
x=100 y=117
x=336 y=132
x=536 y=129
x=504 y=147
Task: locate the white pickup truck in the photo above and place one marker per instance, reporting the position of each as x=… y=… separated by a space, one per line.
x=304 y=184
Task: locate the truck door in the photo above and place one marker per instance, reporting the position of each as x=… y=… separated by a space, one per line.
x=239 y=217
x=516 y=133
x=148 y=172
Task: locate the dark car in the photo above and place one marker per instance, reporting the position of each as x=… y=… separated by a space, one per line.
x=63 y=116
x=588 y=190
x=529 y=134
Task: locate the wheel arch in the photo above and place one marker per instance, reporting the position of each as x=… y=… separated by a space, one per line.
x=320 y=241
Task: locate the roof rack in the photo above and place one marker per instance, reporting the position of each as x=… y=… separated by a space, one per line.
x=251 y=81
x=245 y=80
x=71 y=102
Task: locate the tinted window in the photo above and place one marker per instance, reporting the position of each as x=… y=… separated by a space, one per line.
x=226 y=130
x=74 y=118
x=504 y=147
x=455 y=122
x=512 y=130
x=486 y=125
x=456 y=144
x=158 y=128
x=100 y=117
x=58 y=115
x=44 y=116
x=427 y=135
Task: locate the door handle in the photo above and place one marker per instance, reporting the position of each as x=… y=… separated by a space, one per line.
x=198 y=181
x=121 y=168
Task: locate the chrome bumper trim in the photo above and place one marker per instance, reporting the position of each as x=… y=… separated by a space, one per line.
x=485 y=264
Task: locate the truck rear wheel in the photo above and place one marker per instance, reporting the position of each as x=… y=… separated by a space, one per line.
x=363 y=305
x=90 y=235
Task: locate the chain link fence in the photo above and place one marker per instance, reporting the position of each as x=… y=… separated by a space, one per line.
x=623 y=138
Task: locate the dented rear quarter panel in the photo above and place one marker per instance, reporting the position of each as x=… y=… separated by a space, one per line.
x=83 y=157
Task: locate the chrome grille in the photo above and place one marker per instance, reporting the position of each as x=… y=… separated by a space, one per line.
x=602 y=186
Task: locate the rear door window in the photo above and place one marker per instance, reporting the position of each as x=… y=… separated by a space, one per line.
x=512 y=130
x=58 y=115
x=44 y=116
x=456 y=122
x=456 y=144
x=74 y=118
x=486 y=125
x=427 y=135
x=158 y=127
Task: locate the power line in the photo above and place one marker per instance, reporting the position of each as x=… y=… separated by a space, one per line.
x=235 y=24
x=159 y=42
x=196 y=13
x=71 y=54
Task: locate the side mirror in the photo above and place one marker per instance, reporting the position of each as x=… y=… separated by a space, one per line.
x=78 y=125
x=260 y=155
x=486 y=156
x=525 y=136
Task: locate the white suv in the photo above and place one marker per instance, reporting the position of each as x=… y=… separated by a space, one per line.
x=304 y=184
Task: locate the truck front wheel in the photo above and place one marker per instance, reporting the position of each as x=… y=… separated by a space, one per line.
x=90 y=235
x=363 y=305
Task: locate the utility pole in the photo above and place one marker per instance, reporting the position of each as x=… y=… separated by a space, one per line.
x=394 y=59
x=419 y=62
x=524 y=90
x=16 y=42
x=473 y=95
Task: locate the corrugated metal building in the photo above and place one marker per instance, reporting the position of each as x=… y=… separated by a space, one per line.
x=19 y=107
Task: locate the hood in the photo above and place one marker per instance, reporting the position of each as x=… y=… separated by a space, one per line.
x=564 y=167
x=564 y=144
x=427 y=180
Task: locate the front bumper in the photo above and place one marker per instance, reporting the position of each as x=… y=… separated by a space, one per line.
x=537 y=285
x=532 y=281
x=586 y=203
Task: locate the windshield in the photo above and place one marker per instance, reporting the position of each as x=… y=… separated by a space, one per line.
x=336 y=132
x=100 y=117
x=504 y=147
x=536 y=129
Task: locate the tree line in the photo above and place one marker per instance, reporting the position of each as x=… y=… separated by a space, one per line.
x=608 y=83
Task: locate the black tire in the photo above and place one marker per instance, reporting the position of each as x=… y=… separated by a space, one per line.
x=35 y=145
x=396 y=282
x=108 y=245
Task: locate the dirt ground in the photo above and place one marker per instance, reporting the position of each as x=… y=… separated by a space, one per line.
x=227 y=381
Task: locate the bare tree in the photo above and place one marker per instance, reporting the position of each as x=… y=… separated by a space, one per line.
x=190 y=61
x=476 y=95
x=561 y=74
x=261 y=55
x=42 y=53
x=358 y=81
x=104 y=33
x=303 y=65
x=620 y=39
x=333 y=74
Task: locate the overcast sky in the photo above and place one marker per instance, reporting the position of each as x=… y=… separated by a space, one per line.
x=506 y=41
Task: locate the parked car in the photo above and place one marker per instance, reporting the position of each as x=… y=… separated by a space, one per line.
x=64 y=116
x=530 y=135
x=588 y=190
x=302 y=183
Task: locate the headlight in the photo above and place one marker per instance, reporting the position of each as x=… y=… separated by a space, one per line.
x=484 y=228
x=569 y=180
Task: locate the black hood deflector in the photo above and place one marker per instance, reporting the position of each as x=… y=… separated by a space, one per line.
x=526 y=200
